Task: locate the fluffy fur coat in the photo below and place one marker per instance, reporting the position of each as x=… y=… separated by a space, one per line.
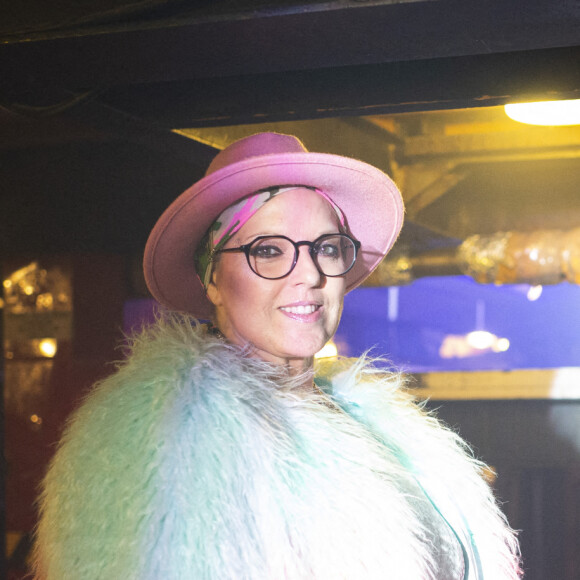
x=195 y=462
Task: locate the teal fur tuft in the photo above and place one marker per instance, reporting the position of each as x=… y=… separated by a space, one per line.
x=193 y=461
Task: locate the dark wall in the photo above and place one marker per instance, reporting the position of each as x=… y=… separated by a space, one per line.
x=535 y=448
x=88 y=197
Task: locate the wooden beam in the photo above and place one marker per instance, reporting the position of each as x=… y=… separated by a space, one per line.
x=561 y=383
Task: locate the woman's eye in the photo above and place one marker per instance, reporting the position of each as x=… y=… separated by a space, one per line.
x=267 y=251
x=329 y=251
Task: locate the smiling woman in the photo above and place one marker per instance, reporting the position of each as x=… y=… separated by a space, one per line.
x=219 y=451
x=288 y=315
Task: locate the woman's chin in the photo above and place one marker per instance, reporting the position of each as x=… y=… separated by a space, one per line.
x=306 y=353
x=294 y=357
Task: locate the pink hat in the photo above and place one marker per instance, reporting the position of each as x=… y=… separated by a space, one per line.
x=368 y=198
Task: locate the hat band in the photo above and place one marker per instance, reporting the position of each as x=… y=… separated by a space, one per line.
x=232 y=219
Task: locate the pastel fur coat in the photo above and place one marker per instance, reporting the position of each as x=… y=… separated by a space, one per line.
x=194 y=461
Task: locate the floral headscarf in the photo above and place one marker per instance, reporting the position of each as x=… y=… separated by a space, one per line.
x=231 y=220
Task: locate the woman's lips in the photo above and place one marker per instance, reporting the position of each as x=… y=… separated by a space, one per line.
x=302 y=312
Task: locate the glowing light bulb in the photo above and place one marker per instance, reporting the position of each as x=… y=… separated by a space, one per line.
x=36 y=419
x=480 y=339
x=534 y=293
x=501 y=345
x=546 y=112
x=47 y=347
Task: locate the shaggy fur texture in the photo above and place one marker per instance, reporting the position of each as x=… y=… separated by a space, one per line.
x=196 y=462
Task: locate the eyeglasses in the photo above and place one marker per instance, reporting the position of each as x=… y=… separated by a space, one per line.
x=274 y=257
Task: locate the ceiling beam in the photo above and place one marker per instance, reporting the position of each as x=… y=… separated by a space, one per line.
x=454 y=82
x=435 y=190
x=300 y=38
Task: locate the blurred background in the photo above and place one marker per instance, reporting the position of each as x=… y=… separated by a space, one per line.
x=109 y=109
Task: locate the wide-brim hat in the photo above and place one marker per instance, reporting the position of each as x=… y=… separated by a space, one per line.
x=369 y=199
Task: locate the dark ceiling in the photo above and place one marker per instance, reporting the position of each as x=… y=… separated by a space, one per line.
x=91 y=91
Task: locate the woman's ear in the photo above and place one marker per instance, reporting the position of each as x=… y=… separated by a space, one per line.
x=213 y=293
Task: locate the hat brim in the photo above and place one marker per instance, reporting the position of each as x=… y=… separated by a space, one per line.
x=368 y=198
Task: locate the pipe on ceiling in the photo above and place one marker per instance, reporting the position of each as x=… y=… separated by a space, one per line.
x=538 y=257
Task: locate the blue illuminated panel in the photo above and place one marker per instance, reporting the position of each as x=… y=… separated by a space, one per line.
x=422 y=327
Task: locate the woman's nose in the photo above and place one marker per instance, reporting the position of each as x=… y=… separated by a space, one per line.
x=306 y=271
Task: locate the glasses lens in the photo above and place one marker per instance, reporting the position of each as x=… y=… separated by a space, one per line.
x=335 y=254
x=272 y=257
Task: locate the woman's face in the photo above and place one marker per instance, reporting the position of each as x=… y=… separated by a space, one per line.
x=286 y=321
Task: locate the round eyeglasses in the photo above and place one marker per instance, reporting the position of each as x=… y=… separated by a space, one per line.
x=274 y=257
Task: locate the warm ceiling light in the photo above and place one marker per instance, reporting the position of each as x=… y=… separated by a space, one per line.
x=546 y=112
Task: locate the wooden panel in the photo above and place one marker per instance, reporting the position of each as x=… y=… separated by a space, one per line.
x=562 y=383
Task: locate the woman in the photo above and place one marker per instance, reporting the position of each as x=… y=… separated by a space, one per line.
x=217 y=452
